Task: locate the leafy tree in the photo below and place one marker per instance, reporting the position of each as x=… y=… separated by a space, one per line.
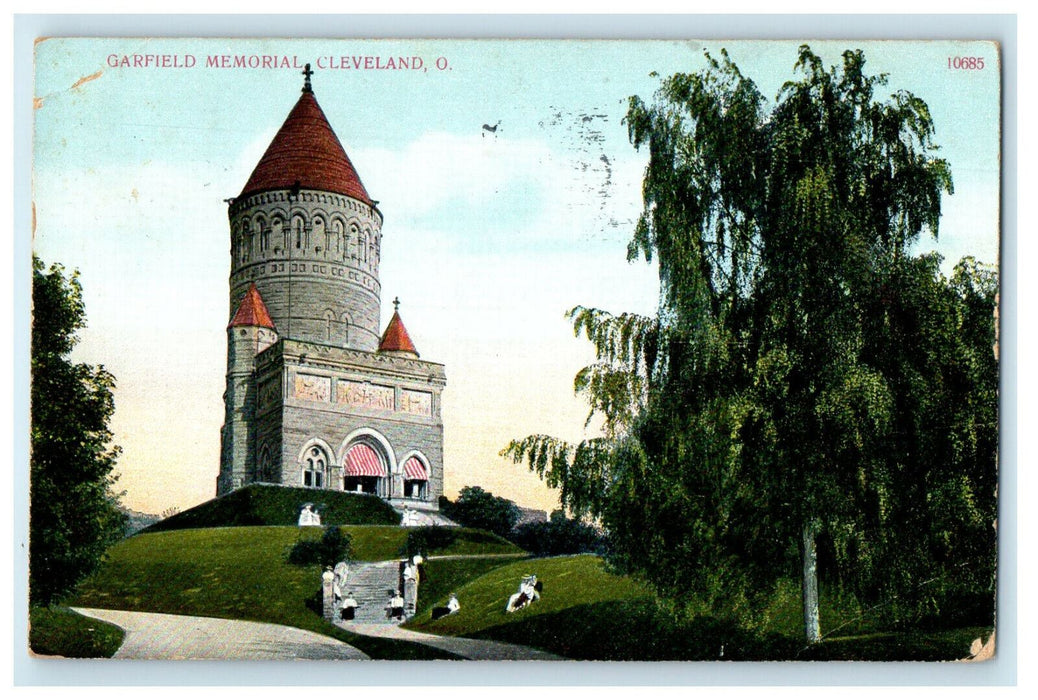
x=74 y=513
x=806 y=383
x=482 y=509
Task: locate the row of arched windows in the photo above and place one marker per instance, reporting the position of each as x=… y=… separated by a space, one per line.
x=365 y=469
x=337 y=242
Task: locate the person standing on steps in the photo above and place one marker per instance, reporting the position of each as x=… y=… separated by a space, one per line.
x=349 y=607
x=341 y=571
x=411 y=586
x=395 y=607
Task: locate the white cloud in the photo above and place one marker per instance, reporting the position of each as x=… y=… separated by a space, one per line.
x=531 y=191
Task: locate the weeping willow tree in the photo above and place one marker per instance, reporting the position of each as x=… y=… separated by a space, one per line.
x=809 y=393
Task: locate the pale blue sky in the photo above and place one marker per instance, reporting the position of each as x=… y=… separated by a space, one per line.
x=487 y=239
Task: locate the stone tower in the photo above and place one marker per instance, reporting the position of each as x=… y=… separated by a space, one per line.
x=316 y=396
x=306 y=233
x=249 y=333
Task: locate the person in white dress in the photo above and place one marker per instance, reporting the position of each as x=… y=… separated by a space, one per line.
x=395 y=607
x=308 y=517
x=349 y=607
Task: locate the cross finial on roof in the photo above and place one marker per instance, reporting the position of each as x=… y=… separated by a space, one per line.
x=306 y=78
x=396 y=304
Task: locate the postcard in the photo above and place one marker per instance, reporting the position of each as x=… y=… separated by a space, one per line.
x=616 y=350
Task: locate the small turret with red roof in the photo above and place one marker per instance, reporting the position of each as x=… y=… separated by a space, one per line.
x=396 y=341
x=252 y=311
x=250 y=332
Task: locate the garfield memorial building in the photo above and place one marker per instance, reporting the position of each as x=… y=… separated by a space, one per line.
x=316 y=395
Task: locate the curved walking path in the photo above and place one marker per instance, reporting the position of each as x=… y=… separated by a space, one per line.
x=160 y=636
x=474 y=649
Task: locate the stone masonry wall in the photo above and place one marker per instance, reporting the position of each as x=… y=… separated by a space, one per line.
x=314 y=257
x=311 y=395
x=238 y=435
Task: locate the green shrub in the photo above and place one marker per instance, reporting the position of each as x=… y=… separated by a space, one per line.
x=334 y=546
x=560 y=535
x=482 y=510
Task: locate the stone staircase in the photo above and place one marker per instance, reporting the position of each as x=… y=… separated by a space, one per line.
x=371 y=583
x=424 y=518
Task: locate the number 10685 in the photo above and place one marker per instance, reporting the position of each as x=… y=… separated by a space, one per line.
x=966 y=63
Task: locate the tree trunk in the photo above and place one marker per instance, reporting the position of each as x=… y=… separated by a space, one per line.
x=812 y=628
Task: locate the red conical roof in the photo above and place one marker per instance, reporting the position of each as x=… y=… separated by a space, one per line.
x=252 y=311
x=396 y=339
x=306 y=151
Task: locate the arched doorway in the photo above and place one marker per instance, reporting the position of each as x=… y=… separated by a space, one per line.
x=364 y=469
x=416 y=478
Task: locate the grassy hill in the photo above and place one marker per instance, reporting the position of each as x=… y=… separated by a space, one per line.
x=237 y=573
x=260 y=504
x=210 y=561
x=586 y=612
x=568 y=582
x=242 y=573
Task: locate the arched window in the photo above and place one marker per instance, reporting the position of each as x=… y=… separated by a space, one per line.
x=297 y=231
x=369 y=256
x=321 y=235
x=280 y=234
x=259 y=227
x=341 y=246
x=364 y=470
x=350 y=251
x=416 y=478
x=245 y=242
x=329 y=320
x=315 y=468
x=265 y=467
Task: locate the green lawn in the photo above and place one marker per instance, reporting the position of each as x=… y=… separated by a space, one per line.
x=236 y=573
x=379 y=542
x=910 y=645
x=57 y=631
x=446 y=576
x=372 y=542
x=474 y=542
x=568 y=581
x=585 y=612
x=241 y=573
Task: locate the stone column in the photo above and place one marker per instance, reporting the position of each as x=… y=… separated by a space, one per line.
x=328 y=593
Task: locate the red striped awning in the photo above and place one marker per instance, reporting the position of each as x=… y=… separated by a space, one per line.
x=415 y=470
x=361 y=460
